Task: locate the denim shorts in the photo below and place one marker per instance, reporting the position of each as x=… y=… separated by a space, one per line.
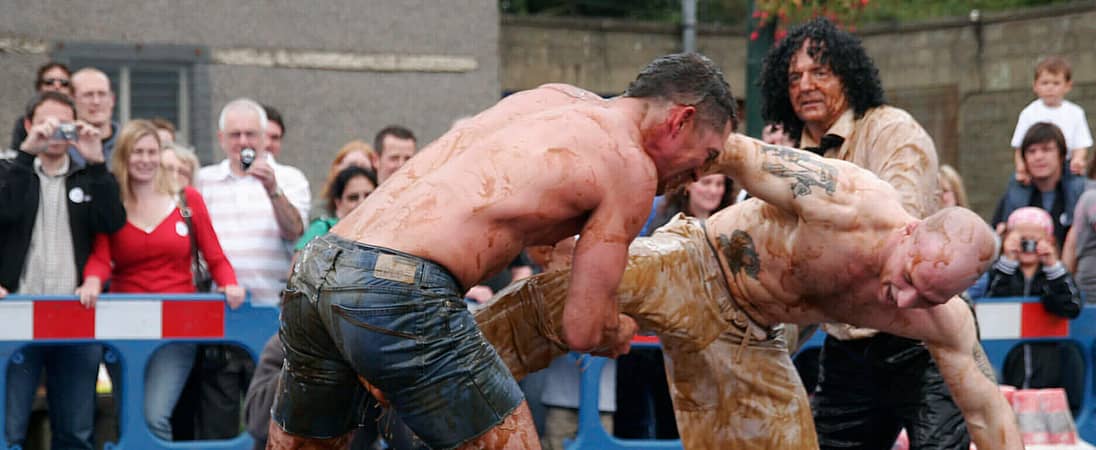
x=399 y=322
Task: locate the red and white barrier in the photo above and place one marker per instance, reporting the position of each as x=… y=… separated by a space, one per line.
x=137 y=319
x=1019 y=321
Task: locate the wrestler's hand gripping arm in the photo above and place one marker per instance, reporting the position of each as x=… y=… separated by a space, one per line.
x=970 y=378
x=591 y=322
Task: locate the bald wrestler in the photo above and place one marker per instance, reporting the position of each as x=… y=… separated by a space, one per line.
x=823 y=241
x=380 y=299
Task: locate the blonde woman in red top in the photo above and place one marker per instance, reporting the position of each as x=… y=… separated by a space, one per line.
x=151 y=254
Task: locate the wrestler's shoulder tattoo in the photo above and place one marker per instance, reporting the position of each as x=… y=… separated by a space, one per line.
x=804 y=168
x=740 y=253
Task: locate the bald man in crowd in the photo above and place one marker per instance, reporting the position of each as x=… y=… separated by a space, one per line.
x=823 y=241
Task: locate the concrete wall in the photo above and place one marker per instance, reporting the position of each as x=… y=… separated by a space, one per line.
x=338 y=70
x=603 y=55
x=966 y=82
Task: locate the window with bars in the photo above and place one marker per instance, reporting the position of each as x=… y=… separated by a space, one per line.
x=146 y=91
x=149 y=81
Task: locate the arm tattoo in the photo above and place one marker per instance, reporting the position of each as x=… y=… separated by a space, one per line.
x=982 y=361
x=741 y=253
x=805 y=168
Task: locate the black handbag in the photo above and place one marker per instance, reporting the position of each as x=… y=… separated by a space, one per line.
x=203 y=280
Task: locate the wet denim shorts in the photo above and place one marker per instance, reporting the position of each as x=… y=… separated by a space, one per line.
x=399 y=322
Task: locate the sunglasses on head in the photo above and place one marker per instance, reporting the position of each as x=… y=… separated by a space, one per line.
x=64 y=82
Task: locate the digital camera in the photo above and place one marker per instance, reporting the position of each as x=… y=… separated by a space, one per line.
x=65 y=131
x=1028 y=245
x=247 y=156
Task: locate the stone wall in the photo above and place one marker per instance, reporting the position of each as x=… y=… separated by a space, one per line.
x=965 y=81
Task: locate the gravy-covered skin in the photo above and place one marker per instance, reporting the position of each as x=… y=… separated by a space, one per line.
x=833 y=244
x=379 y=299
x=824 y=241
x=542 y=165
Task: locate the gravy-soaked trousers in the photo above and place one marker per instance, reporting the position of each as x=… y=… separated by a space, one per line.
x=732 y=382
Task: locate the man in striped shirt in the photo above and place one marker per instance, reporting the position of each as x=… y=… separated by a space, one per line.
x=258 y=211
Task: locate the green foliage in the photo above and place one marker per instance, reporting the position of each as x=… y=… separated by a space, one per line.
x=909 y=10
x=735 y=12
x=720 y=11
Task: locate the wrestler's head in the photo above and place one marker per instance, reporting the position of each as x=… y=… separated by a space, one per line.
x=691 y=112
x=936 y=258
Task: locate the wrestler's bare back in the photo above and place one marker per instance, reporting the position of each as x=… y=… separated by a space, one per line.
x=530 y=170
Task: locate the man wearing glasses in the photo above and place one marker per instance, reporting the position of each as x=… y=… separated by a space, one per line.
x=52 y=76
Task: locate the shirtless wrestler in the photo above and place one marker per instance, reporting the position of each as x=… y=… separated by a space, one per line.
x=380 y=298
x=823 y=241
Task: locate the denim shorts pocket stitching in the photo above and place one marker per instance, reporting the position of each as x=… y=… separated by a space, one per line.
x=365 y=289
x=346 y=314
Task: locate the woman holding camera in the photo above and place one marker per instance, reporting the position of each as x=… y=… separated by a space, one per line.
x=152 y=254
x=1029 y=267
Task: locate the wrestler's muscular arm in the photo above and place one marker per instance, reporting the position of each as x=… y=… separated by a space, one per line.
x=812 y=187
x=966 y=370
x=591 y=322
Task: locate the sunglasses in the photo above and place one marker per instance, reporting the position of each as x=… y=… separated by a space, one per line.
x=64 y=82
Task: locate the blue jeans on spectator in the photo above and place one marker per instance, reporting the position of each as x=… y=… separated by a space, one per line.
x=165 y=378
x=71 y=372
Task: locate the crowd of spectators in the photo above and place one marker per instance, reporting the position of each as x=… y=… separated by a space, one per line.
x=89 y=206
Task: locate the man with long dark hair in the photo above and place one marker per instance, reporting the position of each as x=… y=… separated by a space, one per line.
x=820 y=83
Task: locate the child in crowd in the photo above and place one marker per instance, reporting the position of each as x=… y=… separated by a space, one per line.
x=1029 y=267
x=1053 y=80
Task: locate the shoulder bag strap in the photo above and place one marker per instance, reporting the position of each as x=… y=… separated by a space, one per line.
x=184 y=211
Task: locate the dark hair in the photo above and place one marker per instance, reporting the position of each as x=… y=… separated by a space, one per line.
x=47 y=96
x=677 y=201
x=338 y=184
x=829 y=46
x=391 y=130
x=46 y=67
x=1043 y=132
x=688 y=79
x=1056 y=65
x=273 y=115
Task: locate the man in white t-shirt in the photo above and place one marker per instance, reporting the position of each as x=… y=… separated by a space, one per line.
x=1053 y=80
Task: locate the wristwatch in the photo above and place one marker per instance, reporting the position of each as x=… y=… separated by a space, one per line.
x=277 y=192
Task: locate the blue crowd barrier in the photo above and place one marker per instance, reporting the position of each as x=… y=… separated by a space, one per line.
x=125 y=325
x=1081 y=332
x=591 y=434
x=992 y=313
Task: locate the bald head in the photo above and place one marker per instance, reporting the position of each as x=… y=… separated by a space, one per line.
x=94 y=98
x=936 y=258
x=951 y=249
